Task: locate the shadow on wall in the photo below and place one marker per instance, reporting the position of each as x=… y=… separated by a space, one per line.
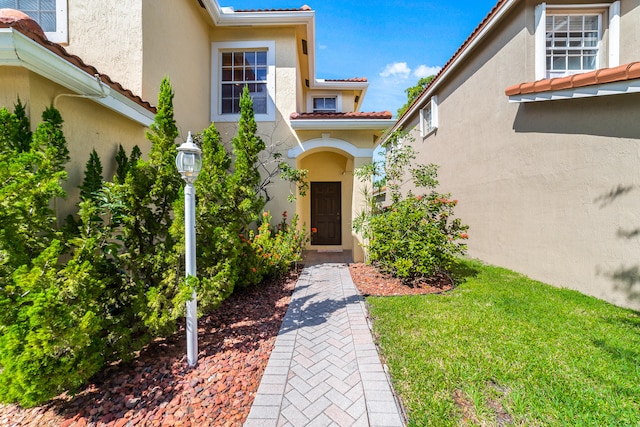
x=613 y=116
x=626 y=279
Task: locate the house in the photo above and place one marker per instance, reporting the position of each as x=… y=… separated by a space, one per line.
x=535 y=125
x=209 y=52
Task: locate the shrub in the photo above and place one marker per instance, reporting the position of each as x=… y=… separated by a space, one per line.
x=415 y=235
x=277 y=248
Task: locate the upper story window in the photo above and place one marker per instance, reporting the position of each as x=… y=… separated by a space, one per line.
x=429 y=117
x=573 y=43
x=325 y=105
x=51 y=15
x=570 y=39
x=240 y=69
x=239 y=64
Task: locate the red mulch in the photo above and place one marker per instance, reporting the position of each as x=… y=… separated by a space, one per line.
x=370 y=281
x=158 y=389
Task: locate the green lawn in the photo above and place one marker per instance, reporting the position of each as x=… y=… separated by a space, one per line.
x=502 y=349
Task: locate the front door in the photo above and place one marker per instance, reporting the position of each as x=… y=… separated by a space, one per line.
x=325 y=213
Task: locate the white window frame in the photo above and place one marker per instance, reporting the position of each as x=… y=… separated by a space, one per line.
x=429 y=117
x=314 y=95
x=60 y=35
x=613 y=28
x=216 y=78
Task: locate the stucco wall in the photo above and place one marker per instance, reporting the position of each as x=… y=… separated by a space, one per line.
x=549 y=189
x=87 y=125
x=109 y=38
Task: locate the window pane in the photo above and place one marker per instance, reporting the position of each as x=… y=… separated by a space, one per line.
x=330 y=103
x=575 y=62
x=227 y=106
x=227 y=91
x=48 y=21
x=8 y=4
x=591 y=23
x=238 y=58
x=260 y=105
x=31 y=5
x=226 y=59
x=559 y=63
x=227 y=74
x=238 y=75
x=261 y=58
x=589 y=63
x=48 y=5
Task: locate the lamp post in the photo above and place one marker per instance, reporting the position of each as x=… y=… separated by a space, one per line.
x=189 y=164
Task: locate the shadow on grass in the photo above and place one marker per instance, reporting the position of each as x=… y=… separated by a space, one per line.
x=462 y=270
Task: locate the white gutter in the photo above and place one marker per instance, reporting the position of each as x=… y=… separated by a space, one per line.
x=614 y=88
x=341 y=124
x=425 y=96
x=18 y=50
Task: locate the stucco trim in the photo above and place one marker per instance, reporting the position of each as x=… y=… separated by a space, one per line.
x=330 y=143
x=16 y=49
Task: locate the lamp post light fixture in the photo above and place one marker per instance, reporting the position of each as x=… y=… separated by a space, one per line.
x=189 y=164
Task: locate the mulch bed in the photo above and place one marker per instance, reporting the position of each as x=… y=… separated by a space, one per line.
x=158 y=388
x=234 y=343
x=371 y=282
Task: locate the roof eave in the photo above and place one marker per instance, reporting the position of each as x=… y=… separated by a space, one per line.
x=457 y=59
x=342 y=124
x=606 y=89
x=16 y=49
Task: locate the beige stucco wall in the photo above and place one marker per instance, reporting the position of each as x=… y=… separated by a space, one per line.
x=139 y=42
x=109 y=38
x=87 y=125
x=550 y=189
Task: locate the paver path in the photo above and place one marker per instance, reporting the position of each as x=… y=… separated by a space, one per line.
x=324 y=369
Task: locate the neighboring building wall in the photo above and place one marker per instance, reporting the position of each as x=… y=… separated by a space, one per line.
x=550 y=189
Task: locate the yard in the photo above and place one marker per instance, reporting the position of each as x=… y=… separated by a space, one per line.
x=502 y=349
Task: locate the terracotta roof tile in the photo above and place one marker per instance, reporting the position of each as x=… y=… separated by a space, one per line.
x=354 y=79
x=620 y=73
x=304 y=8
x=333 y=116
x=10 y=19
x=460 y=50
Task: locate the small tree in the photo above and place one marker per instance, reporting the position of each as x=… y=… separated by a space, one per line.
x=245 y=180
x=92 y=181
x=414 y=92
x=22 y=140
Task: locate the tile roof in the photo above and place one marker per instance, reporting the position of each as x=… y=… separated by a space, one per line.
x=304 y=8
x=354 y=79
x=10 y=18
x=333 y=116
x=476 y=32
x=621 y=73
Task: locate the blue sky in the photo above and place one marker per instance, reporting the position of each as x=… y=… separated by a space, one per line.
x=393 y=44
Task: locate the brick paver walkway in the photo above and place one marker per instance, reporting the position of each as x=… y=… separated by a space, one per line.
x=324 y=369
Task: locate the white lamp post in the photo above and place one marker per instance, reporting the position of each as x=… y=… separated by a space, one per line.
x=189 y=164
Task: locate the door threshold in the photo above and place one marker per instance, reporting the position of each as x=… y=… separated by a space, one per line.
x=330 y=250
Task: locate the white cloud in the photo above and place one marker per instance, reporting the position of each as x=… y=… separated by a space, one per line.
x=425 y=71
x=397 y=70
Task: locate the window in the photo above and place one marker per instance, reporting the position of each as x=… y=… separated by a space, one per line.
x=239 y=64
x=570 y=38
x=325 y=105
x=240 y=69
x=429 y=117
x=572 y=43
x=51 y=15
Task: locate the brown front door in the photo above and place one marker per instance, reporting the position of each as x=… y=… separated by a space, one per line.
x=325 y=213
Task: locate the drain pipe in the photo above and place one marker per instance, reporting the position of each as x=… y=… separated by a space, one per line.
x=103 y=94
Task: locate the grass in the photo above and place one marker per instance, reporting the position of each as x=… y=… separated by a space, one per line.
x=502 y=349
